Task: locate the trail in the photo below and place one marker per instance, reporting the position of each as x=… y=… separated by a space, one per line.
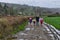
x=32 y=32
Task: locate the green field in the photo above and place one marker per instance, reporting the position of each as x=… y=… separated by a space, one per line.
x=55 y=21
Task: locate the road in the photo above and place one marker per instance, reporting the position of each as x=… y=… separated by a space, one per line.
x=32 y=32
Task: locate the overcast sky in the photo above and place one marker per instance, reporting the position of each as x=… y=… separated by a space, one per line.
x=41 y=3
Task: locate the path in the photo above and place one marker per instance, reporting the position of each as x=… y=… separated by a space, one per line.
x=33 y=33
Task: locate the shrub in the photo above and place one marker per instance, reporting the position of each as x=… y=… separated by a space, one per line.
x=10 y=24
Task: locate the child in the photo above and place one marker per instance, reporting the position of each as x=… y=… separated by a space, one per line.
x=30 y=20
x=34 y=21
x=41 y=21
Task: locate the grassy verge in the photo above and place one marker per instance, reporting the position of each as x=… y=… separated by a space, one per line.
x=11 y=25
x=20 y=27
x=55 y=21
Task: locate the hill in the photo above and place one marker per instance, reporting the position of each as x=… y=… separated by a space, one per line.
x=30 y=10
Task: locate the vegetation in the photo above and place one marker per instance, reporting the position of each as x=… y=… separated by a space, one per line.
x=55 y=21
x=6 y=10
x=57 y=14
x=16 y=9
x=11 y=24
x=20 y=27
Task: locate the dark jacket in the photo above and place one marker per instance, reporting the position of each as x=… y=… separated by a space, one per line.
x=37 y=19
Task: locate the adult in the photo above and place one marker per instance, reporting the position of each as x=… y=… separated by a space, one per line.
x=37 y=20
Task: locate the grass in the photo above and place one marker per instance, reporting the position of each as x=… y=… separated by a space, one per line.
x=10 y=25
x=20 y=28
x=55 y=21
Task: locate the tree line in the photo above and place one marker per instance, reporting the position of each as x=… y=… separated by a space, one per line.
x=6 y=10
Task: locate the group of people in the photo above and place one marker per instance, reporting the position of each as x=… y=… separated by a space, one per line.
x=36 y=21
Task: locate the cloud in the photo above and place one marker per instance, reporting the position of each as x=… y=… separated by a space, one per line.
x=41 y=3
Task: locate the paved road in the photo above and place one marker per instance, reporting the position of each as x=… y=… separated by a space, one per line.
x=33 y=33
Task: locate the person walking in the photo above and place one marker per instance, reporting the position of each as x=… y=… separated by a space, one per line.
x=34 y=22
x=41 y=21
x=30 y=20
x=37 y=20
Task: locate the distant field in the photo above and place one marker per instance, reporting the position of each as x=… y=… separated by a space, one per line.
x=55 y=21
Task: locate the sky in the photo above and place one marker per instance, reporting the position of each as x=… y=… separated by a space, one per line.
x=40 y=3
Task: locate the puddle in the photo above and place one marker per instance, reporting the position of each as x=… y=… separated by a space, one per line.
x=32 y=28
x=21 y=39
x=40 y=37
x=51 y=35
x=23 y=34
x=27 y=29
x=44 y=30
x=49 y=32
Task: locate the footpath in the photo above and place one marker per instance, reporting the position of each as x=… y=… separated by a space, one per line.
x=32 y=32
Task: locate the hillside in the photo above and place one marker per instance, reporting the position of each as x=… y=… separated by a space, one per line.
x=31 y=10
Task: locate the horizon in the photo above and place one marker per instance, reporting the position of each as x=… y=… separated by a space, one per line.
x=24 y=4
x=38 y=3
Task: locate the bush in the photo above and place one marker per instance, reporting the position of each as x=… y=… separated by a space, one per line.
x=10 y=24
x=20 y=27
